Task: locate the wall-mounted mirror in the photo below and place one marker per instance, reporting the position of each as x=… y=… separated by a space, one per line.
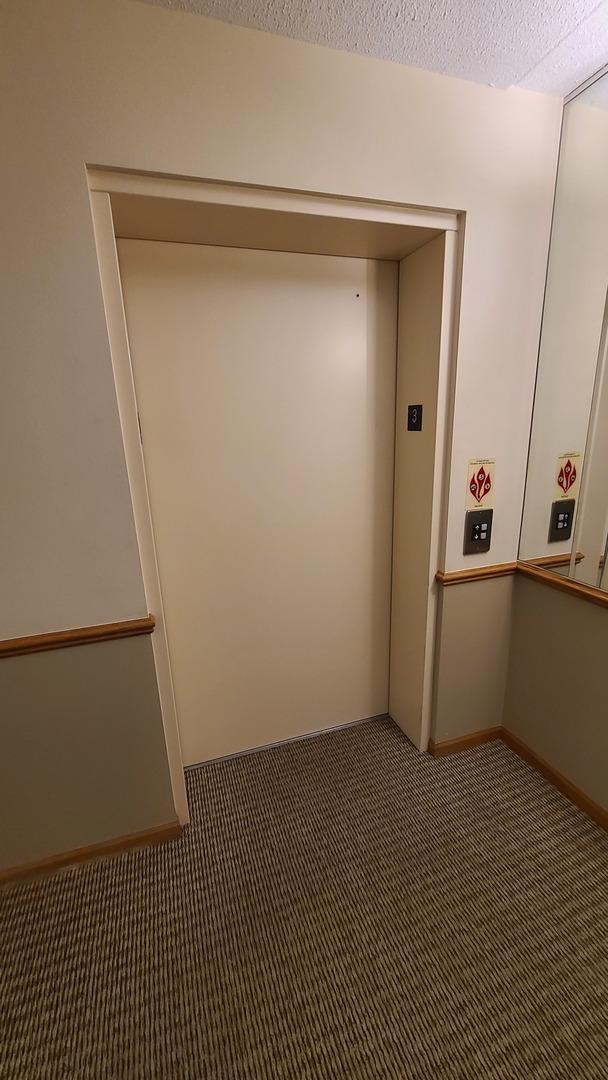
x=565 y=521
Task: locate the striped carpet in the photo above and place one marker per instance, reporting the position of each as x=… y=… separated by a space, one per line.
x=340 y=907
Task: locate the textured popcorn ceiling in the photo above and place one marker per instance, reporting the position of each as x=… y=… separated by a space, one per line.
x=549 y=45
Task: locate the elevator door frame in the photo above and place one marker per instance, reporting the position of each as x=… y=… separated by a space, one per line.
x=168 y=208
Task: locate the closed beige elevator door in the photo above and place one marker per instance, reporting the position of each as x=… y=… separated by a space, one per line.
x=265 y=384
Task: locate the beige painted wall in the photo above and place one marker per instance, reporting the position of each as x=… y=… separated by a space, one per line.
x=120 y=83
x=265 y=385
x=472 y=657
x=556 y=690
x=83 y=753
x=540 y=673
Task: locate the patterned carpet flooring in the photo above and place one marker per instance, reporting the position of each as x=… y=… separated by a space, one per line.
x=341 y=907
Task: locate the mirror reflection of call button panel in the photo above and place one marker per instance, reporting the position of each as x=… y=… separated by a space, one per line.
x=562 y=517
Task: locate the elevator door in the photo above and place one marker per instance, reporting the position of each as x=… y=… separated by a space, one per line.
x=265 y=384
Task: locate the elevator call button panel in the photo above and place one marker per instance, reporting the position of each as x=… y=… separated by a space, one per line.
x=477 y=531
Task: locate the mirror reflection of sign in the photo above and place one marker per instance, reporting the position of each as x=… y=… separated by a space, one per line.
x=567 y=475
x=480 y=483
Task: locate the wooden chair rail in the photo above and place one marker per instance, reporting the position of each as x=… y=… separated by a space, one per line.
x=84 y=635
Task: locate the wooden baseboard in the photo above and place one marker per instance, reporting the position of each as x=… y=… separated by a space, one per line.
x=567 y=788
x=465 y=742
x=156 y=835
x=451 y=746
